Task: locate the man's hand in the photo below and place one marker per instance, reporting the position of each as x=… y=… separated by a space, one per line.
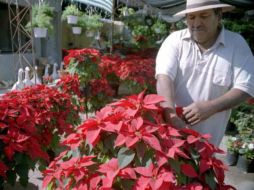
x=172 y=118
x=197 y=112
x=177 y=122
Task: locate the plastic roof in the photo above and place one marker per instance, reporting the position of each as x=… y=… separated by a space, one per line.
x=166 y=7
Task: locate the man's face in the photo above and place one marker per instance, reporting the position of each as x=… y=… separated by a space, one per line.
x=203 y=26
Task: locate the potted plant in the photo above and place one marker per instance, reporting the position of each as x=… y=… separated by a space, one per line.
x=233 y=145
x=81 y=23
x=246 y=158
x=243 y=118
x=32 y=122
x=126 y=146
x=71 y=14
x=93 y=24
x=42 y=16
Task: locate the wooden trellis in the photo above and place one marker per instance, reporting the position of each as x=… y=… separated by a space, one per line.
x=17 y=28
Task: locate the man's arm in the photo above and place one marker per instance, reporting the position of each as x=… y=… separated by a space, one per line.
x=199 y=111
x=165 y=88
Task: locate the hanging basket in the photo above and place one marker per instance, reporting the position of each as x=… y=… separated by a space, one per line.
x=71 y=19
x=40 y=32
x=76 y=30
x=119 y=26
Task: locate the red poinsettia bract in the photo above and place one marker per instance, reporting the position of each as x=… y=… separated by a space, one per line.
x=131 y=148
x=31 y=121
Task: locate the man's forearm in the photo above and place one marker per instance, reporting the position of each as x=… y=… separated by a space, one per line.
x=165 y=88
x=229 y=100
x=202 y=110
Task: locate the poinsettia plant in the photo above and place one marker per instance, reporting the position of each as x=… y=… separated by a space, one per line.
x=31 y=123
x=126 y=145
x=95 y=88
x=84 y=63
x=137 y=73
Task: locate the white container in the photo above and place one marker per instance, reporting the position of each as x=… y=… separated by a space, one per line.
x=71 y=19
x=76 y=30
x=40 y=32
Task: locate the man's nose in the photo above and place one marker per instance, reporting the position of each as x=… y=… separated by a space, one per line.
x=196 y=22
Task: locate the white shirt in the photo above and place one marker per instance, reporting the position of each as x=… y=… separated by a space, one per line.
x=229 y=63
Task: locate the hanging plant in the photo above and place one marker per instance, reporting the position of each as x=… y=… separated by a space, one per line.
x=81 y=23
x=42 y=16
x=93 y=22
x=71 y=14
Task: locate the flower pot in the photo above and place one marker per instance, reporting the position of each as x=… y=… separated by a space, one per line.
x=76 y=30
x=245 y=165
x=71 y=19
x=232 y=158
x=231 y=128
x=40 y=32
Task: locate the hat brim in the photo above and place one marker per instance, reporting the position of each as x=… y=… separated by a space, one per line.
x=225 y=8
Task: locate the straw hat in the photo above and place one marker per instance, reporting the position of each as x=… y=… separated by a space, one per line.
x=200 y=5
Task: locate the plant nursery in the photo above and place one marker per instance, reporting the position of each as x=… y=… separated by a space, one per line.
x=82 y=105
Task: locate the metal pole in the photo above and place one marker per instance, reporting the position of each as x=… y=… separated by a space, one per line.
x=112 y=26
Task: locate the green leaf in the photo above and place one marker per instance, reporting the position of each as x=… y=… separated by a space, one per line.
x=49 y=187
x=175 y=165
x=210 y=180
x=127 y=184
x=55 y=141
x=11 y=177
x=22 y=171
x=21 y=158
x=1 y=182
x=147 y=158
x=125 y=156
x=76 y=153
x=194 y=154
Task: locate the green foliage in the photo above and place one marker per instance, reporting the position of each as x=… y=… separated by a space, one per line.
x=126 y=11
x=93 y=22
x=159 y=28
x=42 y=16
x=244 y=27
x=243 y=118
x=81 y=22
x=247 y=149
x=71 y=10
x=233 y=144
x=141 y=30
x=86 y=70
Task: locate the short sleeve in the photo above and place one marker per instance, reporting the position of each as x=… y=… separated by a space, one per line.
x=243 y=67
x=167 y=57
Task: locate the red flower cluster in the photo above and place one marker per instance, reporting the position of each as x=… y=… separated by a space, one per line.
x=133 y=68
x=137 y=69
x=69 y=84
x=30 y=121
x=100 y=86
x=81 y=55
x=109 y=64
x=127 y=146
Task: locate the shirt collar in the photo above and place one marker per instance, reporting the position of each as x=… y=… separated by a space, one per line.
x=220 y=39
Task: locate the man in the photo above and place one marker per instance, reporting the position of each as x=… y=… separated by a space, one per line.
x=205 y=69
